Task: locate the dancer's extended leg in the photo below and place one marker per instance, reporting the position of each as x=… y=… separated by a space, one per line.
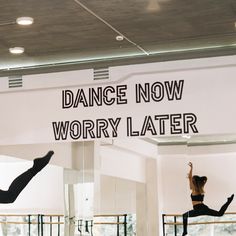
x=22 y=180
x=225 y=206
x=192 y=213
x=222 y=210
x=202 y=209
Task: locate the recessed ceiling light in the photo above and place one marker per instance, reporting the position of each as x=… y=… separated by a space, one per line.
x=153 y=6
x=16 y=50
x=25 y=20
x=119 y=38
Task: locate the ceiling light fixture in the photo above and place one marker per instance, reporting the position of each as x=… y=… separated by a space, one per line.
x=119 y=38
x=153 y=6
x=25 y=20
x=16 y=50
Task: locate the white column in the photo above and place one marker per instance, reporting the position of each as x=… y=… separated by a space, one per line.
x=152 y=197
x=141 y=208
x=147 y=202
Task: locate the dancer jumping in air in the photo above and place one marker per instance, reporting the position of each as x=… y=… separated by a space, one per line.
x=197 y=184
x=22 y=180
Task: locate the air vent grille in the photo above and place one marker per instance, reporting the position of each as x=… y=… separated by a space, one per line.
x=101 y=73
x=15 y=82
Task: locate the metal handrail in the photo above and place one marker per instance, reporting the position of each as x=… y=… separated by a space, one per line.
x=41 y=221
x=108 y=223
x=202 y=223
x=175 y=223
x=226 y=213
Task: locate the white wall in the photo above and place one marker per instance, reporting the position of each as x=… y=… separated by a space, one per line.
x=39 y=103
x=126 y=158
x=118 y=196
x=62 y=152
x=121 y=164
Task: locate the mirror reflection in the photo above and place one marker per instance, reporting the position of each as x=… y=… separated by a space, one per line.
x=133 y=186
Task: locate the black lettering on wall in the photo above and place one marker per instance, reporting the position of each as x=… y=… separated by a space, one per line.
x=95 y=96
x=121 y=94
x=88 y=126
x=148 y=126
x=142 y=93
x=114 y=125
x=130 y=132
x=175 y=124
x=67 y=99
x=106 y=98
x=157 y=91
x=60 y=129
x=75 y=129
x=190 y=120
x=102 y=125
x=162 y=119
x=174 y=89
x=80 y=98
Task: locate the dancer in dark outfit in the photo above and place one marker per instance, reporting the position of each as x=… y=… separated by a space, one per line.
x=197 y=184
x=22 y=180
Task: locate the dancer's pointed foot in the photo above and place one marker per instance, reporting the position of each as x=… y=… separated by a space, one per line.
x=184 y=234
x=230 y=199
x=41 y=162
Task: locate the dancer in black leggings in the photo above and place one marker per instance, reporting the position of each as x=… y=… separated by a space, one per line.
x=197 y=184
x=22 y=180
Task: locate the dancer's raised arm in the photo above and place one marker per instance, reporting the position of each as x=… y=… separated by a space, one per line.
x=190 y=176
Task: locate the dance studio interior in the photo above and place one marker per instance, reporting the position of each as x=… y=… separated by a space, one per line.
x=118 y=118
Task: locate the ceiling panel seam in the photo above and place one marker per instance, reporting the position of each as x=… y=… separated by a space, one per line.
x=111 y=27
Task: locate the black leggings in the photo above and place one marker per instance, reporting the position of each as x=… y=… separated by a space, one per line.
x=201 y=209
x=22 y=180
x=17 y=186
